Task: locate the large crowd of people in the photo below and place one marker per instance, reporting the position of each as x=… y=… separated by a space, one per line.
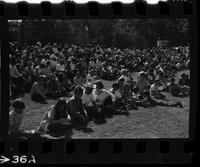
x=54 y=71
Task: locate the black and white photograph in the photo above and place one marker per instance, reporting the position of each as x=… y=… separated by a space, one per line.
x=99 y=79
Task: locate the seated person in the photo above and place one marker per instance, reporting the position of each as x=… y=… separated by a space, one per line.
x=177 y=90
x=38 y=91
x=46 y=70
x=138 y=100
x=17 y=78
x=103 y=100
x=88 y=101
x=142 y=83
x=78 y=79
x=121 y=87
x=184 y=80
x=76 y=109
x=155 y=90
x=56 y=120
x=154 y=102
x=125 y=76
x=52 y=88
x=16 y=116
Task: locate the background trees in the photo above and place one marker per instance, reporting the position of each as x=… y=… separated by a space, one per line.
x=130 y=33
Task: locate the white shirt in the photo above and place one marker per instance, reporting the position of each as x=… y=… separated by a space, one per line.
x=60 y=67
x=100 y=96
x=87 y=99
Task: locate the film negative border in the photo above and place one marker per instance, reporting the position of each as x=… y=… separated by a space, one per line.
x=101 y=150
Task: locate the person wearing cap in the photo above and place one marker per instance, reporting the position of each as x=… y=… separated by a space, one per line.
x=76 y=109
x=38 y=91
x=155 y=90
x=16 y=116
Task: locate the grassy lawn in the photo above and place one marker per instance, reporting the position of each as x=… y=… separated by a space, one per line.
x=155 y=122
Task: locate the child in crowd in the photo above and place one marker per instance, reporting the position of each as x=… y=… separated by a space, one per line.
x=56 y=120
x=76 y=109
x=38 y=91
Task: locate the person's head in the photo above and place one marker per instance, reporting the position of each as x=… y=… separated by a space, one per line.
x=88 y=88
x=124 y=72
x=99 y=85
x=78 y=92
x=60 y=109
x=18 y=105
x=115 y=86
x=142 y=75
x=136 y=90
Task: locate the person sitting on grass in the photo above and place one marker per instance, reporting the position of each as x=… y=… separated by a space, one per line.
x=38 y=91
x=56 y=120
x=152 y=102
x=125 y=76
x=177 y=90
x=105 y=102
x=52 y=88
x=76 y=109
x=78 y=79
x=155 y=90
x=138 y=100
x=88 y=101
x=142 y=83
x=16 y=116
x=184 y=80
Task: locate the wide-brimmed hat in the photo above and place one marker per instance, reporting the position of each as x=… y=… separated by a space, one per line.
x=141 y=73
